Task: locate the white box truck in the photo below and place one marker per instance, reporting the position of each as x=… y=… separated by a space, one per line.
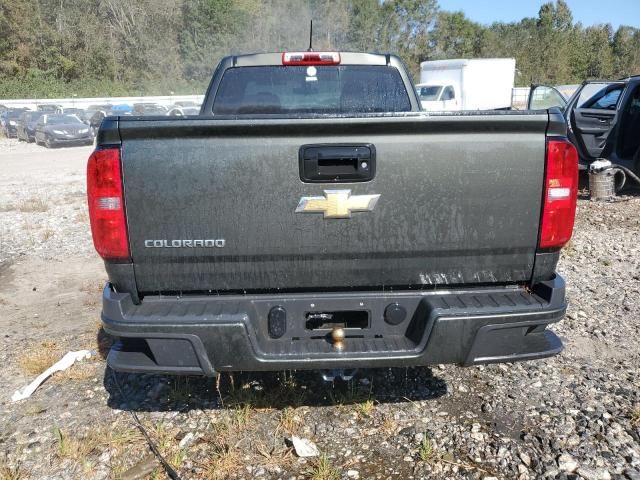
x=466 y=84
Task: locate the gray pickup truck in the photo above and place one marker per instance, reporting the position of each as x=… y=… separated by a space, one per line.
x=312 y=217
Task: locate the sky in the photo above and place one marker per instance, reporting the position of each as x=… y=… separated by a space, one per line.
x=589 y=12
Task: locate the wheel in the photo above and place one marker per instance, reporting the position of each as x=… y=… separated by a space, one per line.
x=47 y=142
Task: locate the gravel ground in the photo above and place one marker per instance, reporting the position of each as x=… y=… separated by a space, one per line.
x=573 y=416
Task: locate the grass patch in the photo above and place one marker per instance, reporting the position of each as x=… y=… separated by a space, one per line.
x=79 y=448
x=32 y=205
x=11 y=472
x=37 y=358
x=323 y=469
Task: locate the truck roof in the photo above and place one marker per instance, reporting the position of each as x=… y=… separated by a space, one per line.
x=346 y=58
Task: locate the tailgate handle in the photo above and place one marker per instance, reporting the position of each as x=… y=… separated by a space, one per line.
x=337 y=163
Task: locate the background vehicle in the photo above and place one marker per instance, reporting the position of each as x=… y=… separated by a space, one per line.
x=57 y=130
x=48 y=108
x=474 y=84
x=183 y=111
x=96 y=118
x=149 y=109
x=306 y=219
x=10 y=120
x=26 y=130
x=603 y=119
x=185 y=103
x=78 y=112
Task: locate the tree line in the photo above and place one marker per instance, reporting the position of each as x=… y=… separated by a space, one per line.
x=52 y=48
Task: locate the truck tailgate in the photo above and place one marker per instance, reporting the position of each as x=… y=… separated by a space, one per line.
x=211 y=204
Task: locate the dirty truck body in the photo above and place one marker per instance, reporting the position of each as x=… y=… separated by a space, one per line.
x=290 y=214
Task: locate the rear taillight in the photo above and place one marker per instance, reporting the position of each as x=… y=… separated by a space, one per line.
x=310 y=58
x=560 y=194
x=106 y=204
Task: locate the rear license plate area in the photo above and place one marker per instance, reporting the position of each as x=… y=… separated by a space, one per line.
x=345 y=319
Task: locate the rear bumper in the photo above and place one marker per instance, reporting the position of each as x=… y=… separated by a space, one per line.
x=202 y=335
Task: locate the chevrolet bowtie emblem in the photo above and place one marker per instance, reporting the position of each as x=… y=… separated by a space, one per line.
x=337 y=204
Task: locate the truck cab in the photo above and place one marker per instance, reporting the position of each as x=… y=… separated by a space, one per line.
x=435 y=98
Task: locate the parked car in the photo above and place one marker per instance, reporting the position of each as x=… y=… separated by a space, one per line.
x=54 y=130
x=603 y=119
x=183 y=111
x=186 y=103
x=99 y=115
x=26 y=130
x=149 y=109
x=78 y=112
x=312 y=217
x=48 y=108
x=10 y=120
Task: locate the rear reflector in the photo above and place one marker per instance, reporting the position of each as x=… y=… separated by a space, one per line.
x=106 y=204
x=560 y=194
x=310 y=58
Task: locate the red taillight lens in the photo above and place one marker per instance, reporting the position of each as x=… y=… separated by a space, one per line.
x=106 y=204
x=560 y=194
x=310 y=58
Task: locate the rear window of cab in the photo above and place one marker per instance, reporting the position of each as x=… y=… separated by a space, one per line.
x=335 y=89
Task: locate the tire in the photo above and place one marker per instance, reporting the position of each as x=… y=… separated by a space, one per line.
x=47 y=142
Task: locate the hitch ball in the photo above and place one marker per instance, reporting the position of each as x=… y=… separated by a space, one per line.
x=337 y=336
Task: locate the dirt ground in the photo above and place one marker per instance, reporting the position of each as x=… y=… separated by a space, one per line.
x=573 y=416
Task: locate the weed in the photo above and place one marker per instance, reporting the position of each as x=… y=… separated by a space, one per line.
x=223 y=462
x=180 y=390
x=389 y=425
x=569 y=249
x=47 y=234
x=366 y=408
x=32 y=205
x=322 y=469
x=426 y=452
x=635 y=417
x=240 y=416
x=289 y=421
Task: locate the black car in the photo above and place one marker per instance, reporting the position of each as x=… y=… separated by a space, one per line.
x=57 y=130
x=149 y=109
x=26 y=129
x=603 y=119
x=10 y=120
